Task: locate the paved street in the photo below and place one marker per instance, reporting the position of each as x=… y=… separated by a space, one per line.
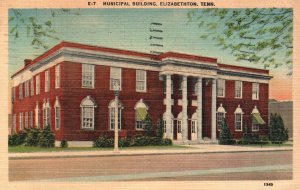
x=274 y=165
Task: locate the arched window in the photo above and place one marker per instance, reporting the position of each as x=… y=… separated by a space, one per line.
x=165 y=123
x=220 y=116
x=256 y=119
x=141 y=111
x=194 y=123
x=87 y=113
x=46 y=113
x=57 y=114
x=111 y=109
x=238 y=119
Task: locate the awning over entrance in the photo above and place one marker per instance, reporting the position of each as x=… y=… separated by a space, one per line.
x=256 y=119
x=141 y=113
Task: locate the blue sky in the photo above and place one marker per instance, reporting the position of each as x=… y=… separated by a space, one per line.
x=119 y=28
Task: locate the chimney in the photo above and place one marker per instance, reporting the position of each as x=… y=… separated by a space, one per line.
x=27 y=62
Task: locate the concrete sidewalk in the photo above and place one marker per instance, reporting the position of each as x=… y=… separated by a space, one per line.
x=191 y=149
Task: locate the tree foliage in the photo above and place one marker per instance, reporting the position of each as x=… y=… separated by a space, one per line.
x=225 y=135
x=160 y=128
x=277 y=131
x=38 y=29
x=148 y=125
x=255 y=35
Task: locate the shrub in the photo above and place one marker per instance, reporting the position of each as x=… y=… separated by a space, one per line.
x=148 y=125
x=17 y=139
x=46 y=138
x=160 y=128
x=277 y=132
x=124 y=142
x=63 y=143
x=32 y=137
x=103 y=142
x=166 y=142
x=225 y=135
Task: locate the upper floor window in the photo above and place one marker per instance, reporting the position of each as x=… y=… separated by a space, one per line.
x=37 y=84
x=47 y=81
x=221 y=88
x=87 y=113
x=31 y=87
x=238 y=119
x=141 y=81
x=255 y=91
x=220 y=116
x=88 y=76
x=115 y=77
x=57 y=76
x=140 y=114
x=26 y=88
x=180 y=86
x=112 y=113
x=21 y=91
x=238 y=89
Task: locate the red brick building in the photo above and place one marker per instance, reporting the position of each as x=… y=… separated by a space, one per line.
x=70 y=88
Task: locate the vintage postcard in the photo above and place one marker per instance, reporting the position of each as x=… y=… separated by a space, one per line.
x=149 y=94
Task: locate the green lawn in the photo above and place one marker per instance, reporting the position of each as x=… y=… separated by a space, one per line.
x=23 y=149
x=267 y=145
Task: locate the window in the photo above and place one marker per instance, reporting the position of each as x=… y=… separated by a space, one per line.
x=37 y=116
x=21 y=127
x=141 y=112
x=37 y=84
x=255 y=127
x=21 y=91
x=26 y=120
x=195 y=85
x=255 y=91
x=179 y=122
x=31 y=87
x=220 y=116
x=57 y=76
x=115 y=76
x=13 y=93
x=57 y=114
x=238 y=119
x=194 y=125
x=141 y=81
x=26 y=88
x=238 y=89
x=88 y=76
x=14 y=123
x=111 y=108
x=87 y=113
x=180 y=86
x=31 y=119
x=46 y=113
x=221 y=88
x=47 y=81
x=256 y=119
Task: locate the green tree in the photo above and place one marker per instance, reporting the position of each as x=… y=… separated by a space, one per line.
x=225 y=135
x=39 y=29
x=254 y=35
x=160 y=128
x=46 y=138
x=277 y=132
x=148 y=125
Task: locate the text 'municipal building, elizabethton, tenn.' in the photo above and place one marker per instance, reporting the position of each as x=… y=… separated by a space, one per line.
x=69 y=88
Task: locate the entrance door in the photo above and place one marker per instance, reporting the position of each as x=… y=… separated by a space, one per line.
x=194 y=130
x=179 y=129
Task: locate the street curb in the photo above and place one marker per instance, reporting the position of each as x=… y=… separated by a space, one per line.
x=140 y=154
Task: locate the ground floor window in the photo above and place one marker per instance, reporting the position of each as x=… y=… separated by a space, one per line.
x=255 y=127
x=87 y=113
x=194 y=126
x=112 y=118
x=179 y=124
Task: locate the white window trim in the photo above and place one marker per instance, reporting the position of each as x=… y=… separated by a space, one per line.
x=14 y=126
x=165 y=123
x=253 y=129
x=21 y=127
x=57 y=76
x=47 y=81
x=223 y=82
x=222 y=110
x=144 y=81
x=37 y=85
x=256 y=97
x=26 y=120
x=31 y=119
x=46 y=114
x=21 y=91
x=57 y=117
x=238 y=111
x=110 y=118
x=88 y=66
x=89 y=103
x=241 y=90
x=119 y=77
x=31 y=87
x=140 y=104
